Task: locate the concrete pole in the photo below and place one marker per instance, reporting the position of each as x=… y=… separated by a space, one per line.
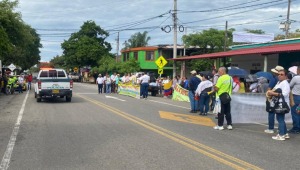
x=182 y=73
x=225 y=42
x=118 y=44
x=287 y=23
x=175 y=37
x=265 y=63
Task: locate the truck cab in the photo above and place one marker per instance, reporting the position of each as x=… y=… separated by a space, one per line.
x=52 y=83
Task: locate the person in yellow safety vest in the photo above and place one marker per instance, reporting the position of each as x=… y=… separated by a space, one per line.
x=12 y=81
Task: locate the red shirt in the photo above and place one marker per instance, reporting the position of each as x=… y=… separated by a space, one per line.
x=29 y=78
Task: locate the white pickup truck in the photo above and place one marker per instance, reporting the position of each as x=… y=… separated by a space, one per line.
x=53 y=83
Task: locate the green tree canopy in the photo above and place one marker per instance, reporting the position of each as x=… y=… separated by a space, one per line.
x=19 y=42
x=209 y=41
x=295 y=34
x=58 y=62
x=255 y=31
x=130 y=66
x=137 y=40
x=86 y=46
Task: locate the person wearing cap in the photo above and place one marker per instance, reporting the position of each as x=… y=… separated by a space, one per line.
x=100 y=81
x=273 y=82
x=202 y=90
x=193 y=84
x=284 y=87
x=295 y=86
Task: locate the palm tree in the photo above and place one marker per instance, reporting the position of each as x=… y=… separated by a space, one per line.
x=138 y=40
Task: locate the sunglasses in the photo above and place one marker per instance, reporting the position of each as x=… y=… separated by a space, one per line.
x=281 y=74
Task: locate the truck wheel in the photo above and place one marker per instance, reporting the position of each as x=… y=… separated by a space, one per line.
x=38 y=99
x=68 y=99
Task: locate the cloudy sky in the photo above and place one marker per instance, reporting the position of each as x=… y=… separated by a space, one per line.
x=55 y=20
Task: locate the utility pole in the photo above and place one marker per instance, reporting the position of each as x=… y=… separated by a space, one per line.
x=175 y=37
x=287 y=23
x=225 y=42
x=184 y=53
x=118 y=40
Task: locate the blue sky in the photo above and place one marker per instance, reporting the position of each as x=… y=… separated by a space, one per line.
x=55 y=20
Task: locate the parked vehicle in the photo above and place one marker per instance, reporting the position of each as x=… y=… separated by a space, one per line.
x=153 y=85
x=53 y=83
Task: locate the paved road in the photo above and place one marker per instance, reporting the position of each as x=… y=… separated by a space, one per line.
x=99 y=131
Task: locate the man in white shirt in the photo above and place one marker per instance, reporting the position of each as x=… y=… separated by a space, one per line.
x=145 y=79
x=100 y=81
x=113 y=82
x=21 y=82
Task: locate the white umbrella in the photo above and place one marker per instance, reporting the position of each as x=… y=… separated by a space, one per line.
x=293 y=69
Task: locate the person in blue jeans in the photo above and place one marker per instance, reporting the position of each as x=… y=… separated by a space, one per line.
x=193 y=84
x=295 y=86
x=272 y=84
x=285 y=92
x=202 y=90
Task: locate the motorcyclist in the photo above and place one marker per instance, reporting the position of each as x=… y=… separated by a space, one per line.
x=11 y=83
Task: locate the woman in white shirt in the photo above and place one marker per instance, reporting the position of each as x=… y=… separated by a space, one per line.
x=202 y=89
x=285 y=91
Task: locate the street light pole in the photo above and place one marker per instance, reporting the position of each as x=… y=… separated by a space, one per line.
x=175 y=37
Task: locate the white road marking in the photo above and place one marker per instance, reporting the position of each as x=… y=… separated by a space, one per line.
x=169 y=104
x=87 y=93
x=12 y=141
x=115 y=98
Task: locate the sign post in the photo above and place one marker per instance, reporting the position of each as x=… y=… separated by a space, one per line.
x=75 y=69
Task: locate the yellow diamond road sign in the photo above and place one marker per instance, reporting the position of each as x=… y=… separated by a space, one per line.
x=161 y=62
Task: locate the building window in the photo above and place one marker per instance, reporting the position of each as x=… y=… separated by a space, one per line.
x=149 y=55
x=136 y=56
x=126 y=56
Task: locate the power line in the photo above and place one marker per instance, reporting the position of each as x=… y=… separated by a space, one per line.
x=231 y=7
x=233 y=13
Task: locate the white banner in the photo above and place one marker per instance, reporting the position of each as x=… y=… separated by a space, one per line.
x=252 y=38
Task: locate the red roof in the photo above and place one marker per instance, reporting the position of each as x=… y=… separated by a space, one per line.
x=274 y=49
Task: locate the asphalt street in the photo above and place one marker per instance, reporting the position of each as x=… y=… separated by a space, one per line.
x=111 y=131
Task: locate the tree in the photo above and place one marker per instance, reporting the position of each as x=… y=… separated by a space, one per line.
x=130 y=66
x=86 y=46
x=255 y=31
x=295 y=34
x=58 y=62
x=137 y=40
x=19 y=42
x=107 y=64
x=209 y=41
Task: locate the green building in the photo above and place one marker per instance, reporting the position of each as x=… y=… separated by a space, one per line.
x=147 y=56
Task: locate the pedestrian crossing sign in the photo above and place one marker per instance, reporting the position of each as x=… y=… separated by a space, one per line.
x=160 y=71
x=161 y=62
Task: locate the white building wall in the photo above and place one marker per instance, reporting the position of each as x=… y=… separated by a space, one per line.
x=254 y=62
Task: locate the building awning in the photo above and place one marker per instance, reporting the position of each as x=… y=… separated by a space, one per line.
x=274 y=49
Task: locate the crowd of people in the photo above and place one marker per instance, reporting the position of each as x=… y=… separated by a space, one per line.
x=282 y=91
x=11 y=83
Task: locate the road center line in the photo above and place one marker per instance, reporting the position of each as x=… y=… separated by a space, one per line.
x=12 y=141
x=217 y=155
